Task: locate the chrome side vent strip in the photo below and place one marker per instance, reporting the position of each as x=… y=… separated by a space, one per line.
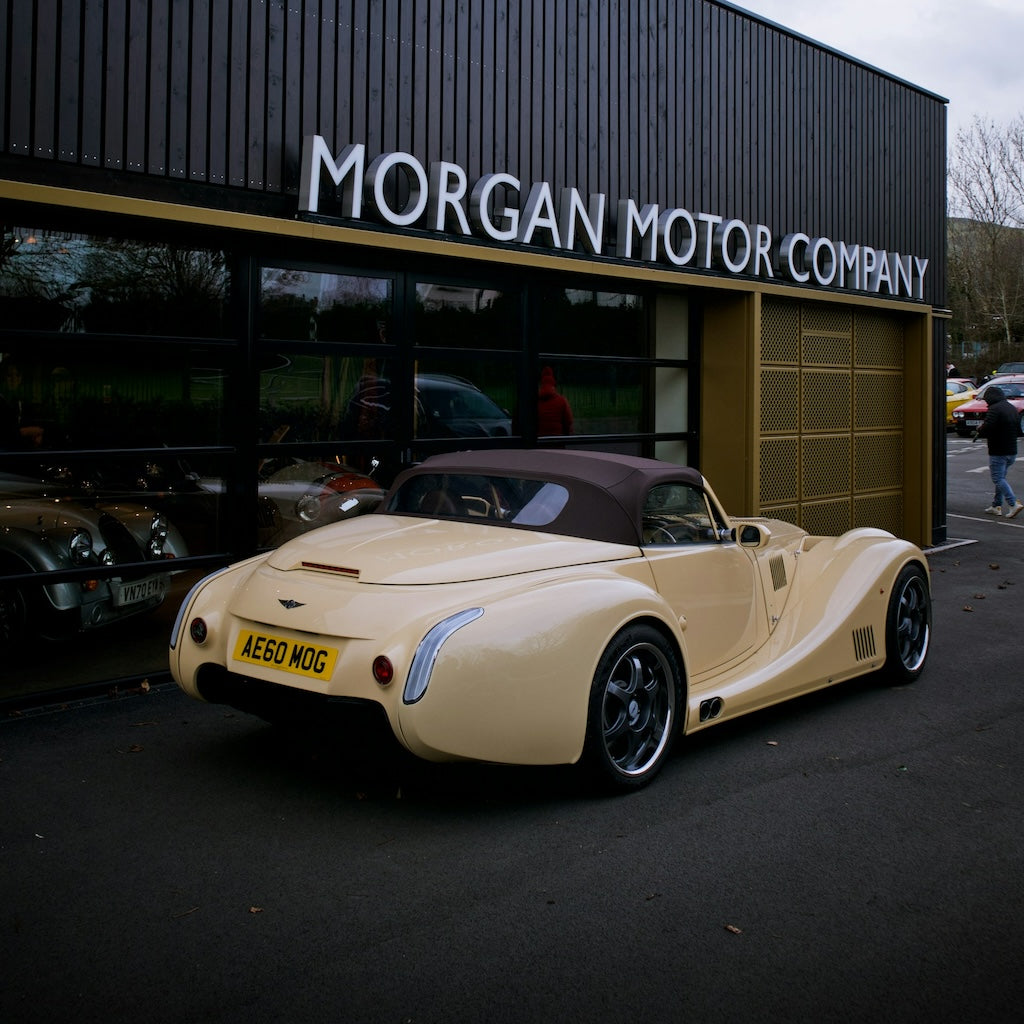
x=778 y=567
x=864 y=643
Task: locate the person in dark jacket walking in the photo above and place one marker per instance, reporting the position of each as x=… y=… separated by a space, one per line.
x=554 y=415
x=1000 y=430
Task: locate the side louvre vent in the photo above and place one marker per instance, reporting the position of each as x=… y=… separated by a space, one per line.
x=778 y=567
x=864 y=643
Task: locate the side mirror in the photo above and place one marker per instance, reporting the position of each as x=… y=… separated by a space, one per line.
x=752 y=535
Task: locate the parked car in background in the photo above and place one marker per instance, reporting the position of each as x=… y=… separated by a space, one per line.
x=41 y=533
x=445 y=406
x=957 y=392
x=970 y=415
x=550 y=607
x=1003 y=369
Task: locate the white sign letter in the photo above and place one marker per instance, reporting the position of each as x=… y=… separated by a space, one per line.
x=764 y=251
x=448 y=188
x=724 y=246
x=922 y=266
x=666 y=223
x=791 y=256
x=571 y=213
x=315 y=154
x=480 y=213
x=646 y=223
x=376 y=174
x=539 y=212
x=824 y=270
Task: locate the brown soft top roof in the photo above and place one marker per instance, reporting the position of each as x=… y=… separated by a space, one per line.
x=606 y=491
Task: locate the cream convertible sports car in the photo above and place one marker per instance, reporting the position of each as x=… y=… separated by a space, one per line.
x=548 y=607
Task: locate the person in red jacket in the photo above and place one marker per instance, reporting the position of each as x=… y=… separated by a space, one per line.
x=554 y=414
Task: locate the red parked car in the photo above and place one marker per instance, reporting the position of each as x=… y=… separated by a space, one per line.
x=969 y=416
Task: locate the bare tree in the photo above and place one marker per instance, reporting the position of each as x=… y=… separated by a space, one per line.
x=986 y=239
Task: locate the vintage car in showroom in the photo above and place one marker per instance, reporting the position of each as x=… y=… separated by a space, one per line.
x=299 y=495
x=42 y=530
x=550 y=607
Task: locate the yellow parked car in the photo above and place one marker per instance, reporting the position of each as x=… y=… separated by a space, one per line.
x=550 y=607
x=957 y=392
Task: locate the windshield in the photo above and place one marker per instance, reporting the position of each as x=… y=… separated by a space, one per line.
x=503 y=499
x=1008 y=390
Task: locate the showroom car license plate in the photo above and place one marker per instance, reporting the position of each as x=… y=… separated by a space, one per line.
x=139 y=590
x=314 y=661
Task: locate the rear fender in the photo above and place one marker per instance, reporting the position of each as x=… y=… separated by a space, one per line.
x=210 y=597
x=27 y=552
x=513 y=685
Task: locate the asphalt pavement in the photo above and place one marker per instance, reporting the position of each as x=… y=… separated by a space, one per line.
x=851 y=856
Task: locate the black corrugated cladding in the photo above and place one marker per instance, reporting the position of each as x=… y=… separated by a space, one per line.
x=678 y=102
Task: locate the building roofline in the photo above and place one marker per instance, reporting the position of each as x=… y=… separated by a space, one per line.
x=835 y=51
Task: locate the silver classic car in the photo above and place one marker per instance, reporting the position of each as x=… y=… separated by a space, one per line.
x=41 y=533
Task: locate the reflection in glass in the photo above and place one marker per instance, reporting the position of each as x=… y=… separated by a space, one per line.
x=187 y=493
x=306 y=305
x=464 y=316
x=77 y=396
x=605 y=397
x=324 y=398
x=131 y=648
x=59 y=281
x=554 y=410
x=298 y=495
x=464 y=398
x=122 y=548
x=589 y=323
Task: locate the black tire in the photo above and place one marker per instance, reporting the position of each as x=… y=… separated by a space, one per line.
x=908 y=625
x=636 y=701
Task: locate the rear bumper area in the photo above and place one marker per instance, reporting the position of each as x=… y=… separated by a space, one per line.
x=359 y=724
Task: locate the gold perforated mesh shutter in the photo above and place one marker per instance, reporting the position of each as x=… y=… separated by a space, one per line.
x=830 y=445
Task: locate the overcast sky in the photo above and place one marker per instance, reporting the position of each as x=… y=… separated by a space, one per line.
x=969 y=51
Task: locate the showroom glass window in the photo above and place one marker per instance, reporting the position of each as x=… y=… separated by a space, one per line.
x=594 y=351
x=468 y=340
x=114 y=359
x=325 y=354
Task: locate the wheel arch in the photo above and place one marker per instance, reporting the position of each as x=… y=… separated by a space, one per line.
x=550 y=651
x=670 y=636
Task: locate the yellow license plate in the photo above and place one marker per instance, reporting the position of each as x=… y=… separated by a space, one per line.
x=296 y=656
